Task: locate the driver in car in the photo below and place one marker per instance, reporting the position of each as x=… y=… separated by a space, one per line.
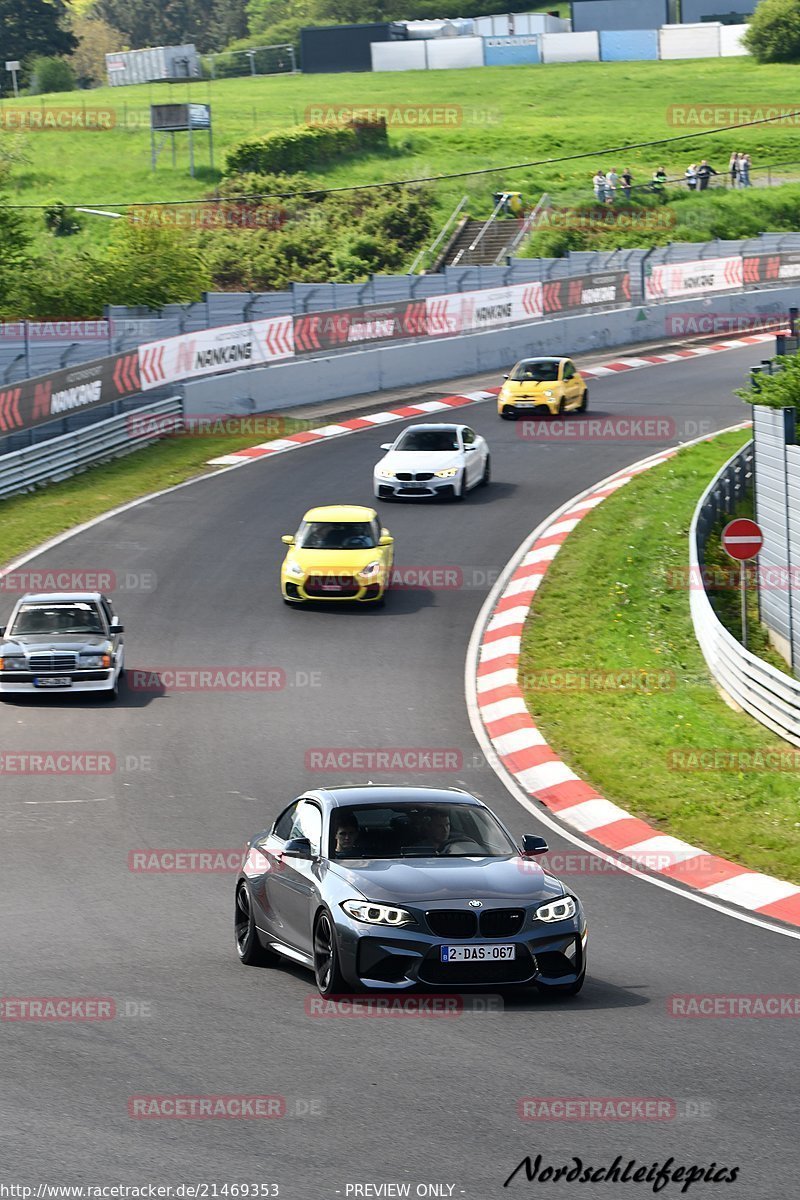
x=346 y=837
x=436 y=830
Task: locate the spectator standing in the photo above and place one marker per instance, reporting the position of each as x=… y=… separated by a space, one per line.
x=612 y=182
x=691 y=177
x=704 y=173
x=744 y=171
x=659 y=179
x=599 y=184
x=733 y=169
x=627 y=183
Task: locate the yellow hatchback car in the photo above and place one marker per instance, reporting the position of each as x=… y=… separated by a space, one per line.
x=340 y=552
x=551 y=383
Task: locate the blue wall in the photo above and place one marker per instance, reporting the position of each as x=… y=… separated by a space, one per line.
x=590 y=15
x=502 y=51
x=628 y=45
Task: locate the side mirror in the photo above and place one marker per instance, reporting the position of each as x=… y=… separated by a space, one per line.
x=505 y=377
x=532 y=844
x=287 y=539
x=117 y=628
x=386 y=539
x=386 y=445
x=471 y=446
x=297 y=848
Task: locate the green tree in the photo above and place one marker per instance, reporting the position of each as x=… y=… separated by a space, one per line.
x=773 y=34
x=174 y=22
x=51 y=75
x=31 y=27
x=96 y=39
x=152 y=265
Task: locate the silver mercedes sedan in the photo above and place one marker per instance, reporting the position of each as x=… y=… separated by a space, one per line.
x=62 y=642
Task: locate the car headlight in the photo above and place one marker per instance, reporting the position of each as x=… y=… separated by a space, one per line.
x=12 y=664
x=294 y=568
x=384 y=473
x=377 y=914
x=370 y=571
x=549 y=392
x=556 y=910
x=447 y=473
x=94 y=660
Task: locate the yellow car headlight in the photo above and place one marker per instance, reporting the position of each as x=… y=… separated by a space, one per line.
x=294 y=569
x=447 y=473
x=370 y=571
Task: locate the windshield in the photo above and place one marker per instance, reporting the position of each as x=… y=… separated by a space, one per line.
x=56 y=619
x=535 y=372
x=417 y=831
x=336 y=535
x=428 y=439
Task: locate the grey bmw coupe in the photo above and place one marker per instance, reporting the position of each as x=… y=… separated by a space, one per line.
x=394 y=888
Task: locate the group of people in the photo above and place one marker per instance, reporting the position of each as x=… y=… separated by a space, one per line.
x=607 y=184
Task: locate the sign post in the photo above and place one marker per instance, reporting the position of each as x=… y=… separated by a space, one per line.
x=742 y=540
x=13 y=67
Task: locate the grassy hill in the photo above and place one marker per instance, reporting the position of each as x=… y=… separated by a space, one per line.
x=508 y=115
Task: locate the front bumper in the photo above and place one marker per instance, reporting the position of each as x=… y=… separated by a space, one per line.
x=22 y=682
x=294 y=590
x=412 y=489
x=526 y=403
x=389 y=959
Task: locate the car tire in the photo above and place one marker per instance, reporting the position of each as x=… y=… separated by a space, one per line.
x=327 y=972
x=584 y=404
x=509 y=414
x=486 y=478
x=556 y=991
x=460 y=491
x=248 y=948
x=111 y=694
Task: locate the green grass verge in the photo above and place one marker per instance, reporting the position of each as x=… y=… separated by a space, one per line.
x=510 y=114
x=30 y=519
x=608 y=604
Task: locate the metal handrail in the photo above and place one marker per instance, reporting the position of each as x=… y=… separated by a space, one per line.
x=474 y=244
x=527 y=225
x=442 y=233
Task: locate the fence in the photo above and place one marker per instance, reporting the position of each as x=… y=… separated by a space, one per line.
x=60 y=457
x=764 y=692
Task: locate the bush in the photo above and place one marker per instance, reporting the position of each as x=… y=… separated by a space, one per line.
x=781 y=390
x=306 y=147
x=60 y=220
x=51 y=75
x=773 y=34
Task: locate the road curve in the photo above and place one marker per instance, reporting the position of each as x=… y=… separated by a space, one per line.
x=425 y=1100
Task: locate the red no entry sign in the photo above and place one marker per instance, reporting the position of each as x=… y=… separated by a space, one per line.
x=742 y=539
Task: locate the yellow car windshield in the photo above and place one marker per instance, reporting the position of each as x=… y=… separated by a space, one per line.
x=537 y=372
x=335 y=535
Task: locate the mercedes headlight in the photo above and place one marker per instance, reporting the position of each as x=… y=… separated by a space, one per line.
x=377 y=914
x=447 y=473
x=294 y=569
x=556 y=910
x=384 y=473
x=95 y=660
x=12 y=664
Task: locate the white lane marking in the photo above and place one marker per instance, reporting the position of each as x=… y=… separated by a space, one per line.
x=664 y=844
x=478 y=715
x=503 y=708
x=518 y=739
x=592 y=814
x=496 y=679
x=546 y=775
x=752 y=890
x=88 y=800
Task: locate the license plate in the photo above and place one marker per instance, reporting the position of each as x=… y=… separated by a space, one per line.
x=414 y=487
x=46 y=681
x=330 y=587
x=450 y=954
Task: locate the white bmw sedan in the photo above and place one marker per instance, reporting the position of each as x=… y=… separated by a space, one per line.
x=433 y=460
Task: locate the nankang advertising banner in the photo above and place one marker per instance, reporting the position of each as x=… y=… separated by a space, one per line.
x=212 y=351
x=673 y=280
x=72 y=390
x=576 y=294
x=467 y=312
x=771 y=268
x=341 y=328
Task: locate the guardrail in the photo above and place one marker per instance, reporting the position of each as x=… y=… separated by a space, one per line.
x=766 y=693
x=60 y=457
x=528 y=226
x=427 y=253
